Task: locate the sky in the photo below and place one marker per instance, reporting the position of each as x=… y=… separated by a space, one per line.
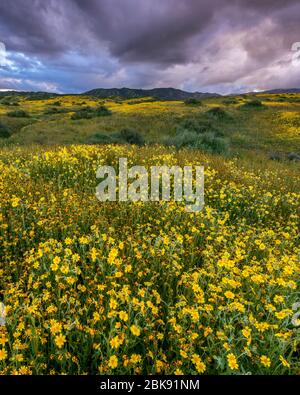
x=71 y=46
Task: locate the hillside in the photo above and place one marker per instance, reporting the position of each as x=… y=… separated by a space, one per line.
x=157 y=93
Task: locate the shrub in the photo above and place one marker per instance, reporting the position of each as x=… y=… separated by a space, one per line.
x=184 y=139
x=208 y=142
x=100 y=138
x=89 y=112
x=252 y=104
x=218 y=113
x=18 y=114
x=102 y=111
x=130 y=136
x=211 y=143
x=230 y=100
x=198 y=125
x=125 y=136
x=54 y=110
x=4 y=131
x=84 y=113
x=193 y=102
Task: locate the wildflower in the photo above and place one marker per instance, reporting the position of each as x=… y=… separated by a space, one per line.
x=123 y=316
x=116 y=342
x=135 y=358
x=55 y=327
x=112 y=256
x=284 y=362
x=135 y=330
x=3 y=354
x=229 y=295
x=15 y=202
x=113 y=362
x=265 y=361
x=60 y=340
x=232 y=362
x=246 y=332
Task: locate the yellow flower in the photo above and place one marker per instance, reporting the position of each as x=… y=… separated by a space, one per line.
x=116 y=342
x=135 y=330
x=112 y=256
x=96 y=316
x=232 y=362
x=183 y=354
x=264 y=360
x=284 y=361
x=135 y=358
x=200 y=367
x=246 y=332
x=123 y=315
x=229 y=295
x=56 y=260
x=64 y=269
x=55 y=327
x=113 y=362
x=68 y=241
x=3 y=354
x=60 y=340
x=15 y=202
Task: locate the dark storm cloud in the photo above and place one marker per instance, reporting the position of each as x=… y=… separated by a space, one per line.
x=150 y=42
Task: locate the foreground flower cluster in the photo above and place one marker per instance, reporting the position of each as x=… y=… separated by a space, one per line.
x=113 y=287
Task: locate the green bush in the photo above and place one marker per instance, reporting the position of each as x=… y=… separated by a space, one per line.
x=18 y=114
x=252 y=104
x=208 y=142
x=183 y=139
x=198 y=125
x=218 y=113
x=130 y=136
x=84 y=113
x=54 y=110
x=102 y=111
x=125 y=136
x=89 y=112
x=4 y=131
x=230 y=100
x=211 y=143
x=100 y=138
x=193 y=102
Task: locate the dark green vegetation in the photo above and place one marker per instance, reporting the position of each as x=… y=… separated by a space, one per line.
x=89 y=112
x=4 y=131
x=18 y=114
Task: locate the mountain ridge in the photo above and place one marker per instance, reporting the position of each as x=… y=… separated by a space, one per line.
x=157 y=93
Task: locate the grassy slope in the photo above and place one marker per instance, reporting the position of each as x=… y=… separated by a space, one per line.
x=275 y=128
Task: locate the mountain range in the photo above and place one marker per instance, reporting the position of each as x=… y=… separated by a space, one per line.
x=157 y=93
x=128 y=93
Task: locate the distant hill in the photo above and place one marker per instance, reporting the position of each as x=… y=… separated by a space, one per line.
x=279 y=91
x=29 y=95
x=157 y=93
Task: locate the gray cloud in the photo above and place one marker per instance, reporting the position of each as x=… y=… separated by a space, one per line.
x=193 y=44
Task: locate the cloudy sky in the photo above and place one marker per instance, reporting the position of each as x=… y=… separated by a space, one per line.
x=195 y=45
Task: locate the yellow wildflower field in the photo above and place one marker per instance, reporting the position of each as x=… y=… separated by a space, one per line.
x=146 y=287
